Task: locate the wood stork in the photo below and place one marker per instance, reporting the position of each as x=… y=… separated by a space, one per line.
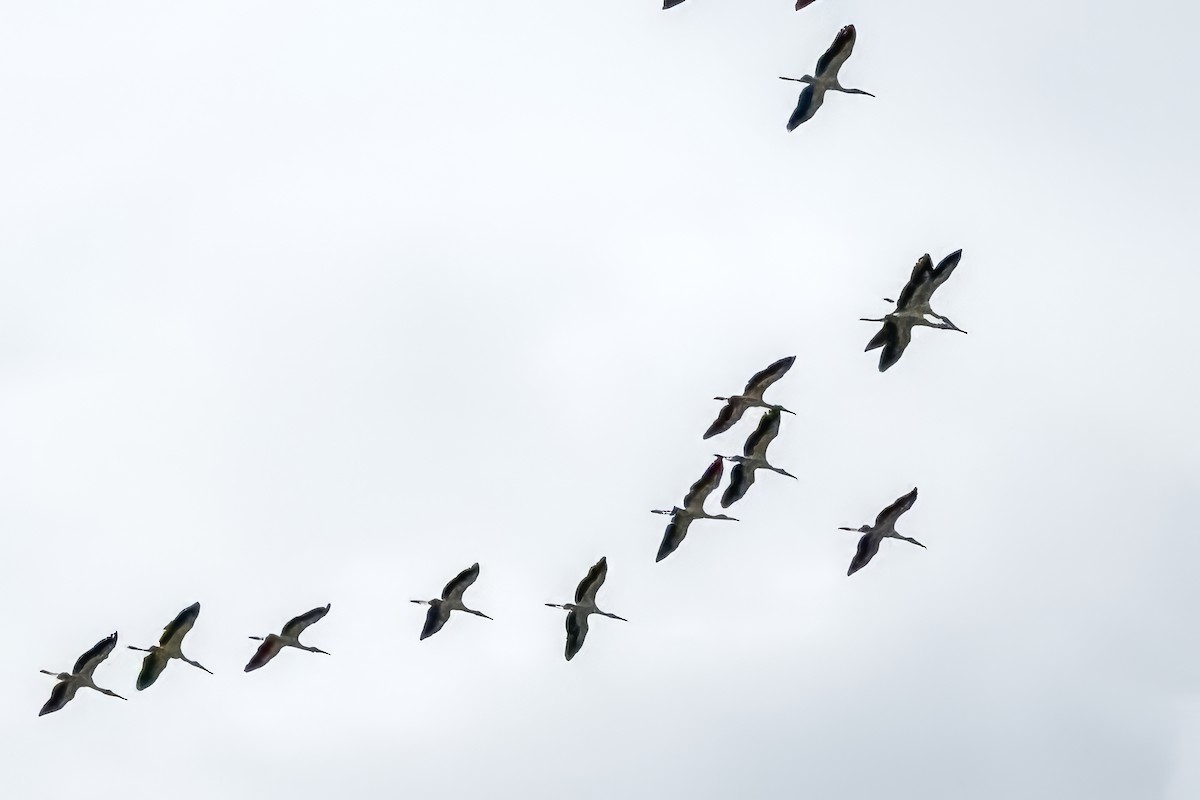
x=288 y=637
x=170 y=645
x=79 y=676
x=826 y=79
x=753 y=458
x=451 y=600
x=693 y=508
x=750 y=397
x=912 y=309
x=884 y=527
x=585 y=604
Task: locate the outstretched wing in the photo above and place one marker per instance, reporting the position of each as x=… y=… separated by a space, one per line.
x=741 y=478
x=807 y=103
x=868 y=546
x=460 y=582
x=674 y=535
x=729 y=415
x=577 y=628
x=838 y=52
x=266 y=651
x=889 y=515
x=88 y=662
x=179 y=627
x=435 y=618
x=921 y=273
x=899 y=334
x=701 y=489
x=60 y=695
x=591 y=583
x=152 y=666
x=764 y=434
x=762 y=379
x=296 y=625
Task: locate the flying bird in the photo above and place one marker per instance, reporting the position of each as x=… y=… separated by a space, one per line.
x=826 y=79
x=884 y=527
x=79 y=676
x=753 y=457
x=585 y=604
x=451 y=600
x=693 y=508
x=912 y=309
x=288 y=637
x=169 y=646
x=750 y=397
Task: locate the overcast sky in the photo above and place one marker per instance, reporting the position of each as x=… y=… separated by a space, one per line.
x=308 y=302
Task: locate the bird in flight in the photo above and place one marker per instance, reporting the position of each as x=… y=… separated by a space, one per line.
x=693 y=508
x=169 y=646
x=585 y=604
x=288 y=637
x=80 y=676
x=826 y=79
x=451 y=600
x=753 y=458
x=884 y=527
x=912 y=309
x=751 y=397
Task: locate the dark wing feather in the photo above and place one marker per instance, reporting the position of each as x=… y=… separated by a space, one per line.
x=461 y=582
x=435 y=619
x=799 y=3
x=152 y=666
x=838 y=52
x=898 y=507
x=880 y=339
x=577 y=628
x=868 y=546
x=182 y=623
x=741 y=478
x=60 y=695
x=764 y=434
x=897 y=342
x=669 y=4
x=922 y=272
x=762 y=379
x=93 y=657
x=592 y=582
x=296 y=625
x=729 y=415
x=702 y=488
x=941 y=273
x=673 y=536
x=806 y=105
x=270 y=647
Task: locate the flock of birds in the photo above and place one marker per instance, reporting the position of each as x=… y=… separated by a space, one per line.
x=912 y=309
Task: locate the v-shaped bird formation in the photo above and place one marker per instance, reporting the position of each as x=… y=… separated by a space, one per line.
x=912 y=310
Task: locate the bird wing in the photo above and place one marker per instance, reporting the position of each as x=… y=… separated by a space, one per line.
x=898 y=337
x=942 y=272
x=921 y=273
x=810 y=99
x=868 y=546
x=88 y=662
x=179 y=627
x=460 y=582
x=799 y=3
x=670 y=4
x=585 y=592
x=764 y=434
x=152 y=666
x=270 y=648
x=889 y=515
x=762 y=379
x=701 y=489
x=880 y=338
x=435 y=618
x=60 y=695
x=296 y=625
x=674 y=535
x=838 y=52
x=577 y=628
x=729 y=415
x=741 y=478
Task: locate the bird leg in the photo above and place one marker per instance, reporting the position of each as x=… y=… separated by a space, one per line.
x=196 y=664
x=911 y=541
x=477 y=613
x=614 y=616
x=109 y=692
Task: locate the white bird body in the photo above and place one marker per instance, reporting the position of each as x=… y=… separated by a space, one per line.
x=273 y=643
x=751 y=397
x=825 y=79
x=170 y=645
x=451 y=600
x=584 y=605
x=884 y=528
x=693 y=509
x=80 y=677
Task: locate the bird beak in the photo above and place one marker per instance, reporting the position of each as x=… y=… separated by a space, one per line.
x=847 y=529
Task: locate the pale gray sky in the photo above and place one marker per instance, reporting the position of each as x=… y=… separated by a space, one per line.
x=308 y=302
